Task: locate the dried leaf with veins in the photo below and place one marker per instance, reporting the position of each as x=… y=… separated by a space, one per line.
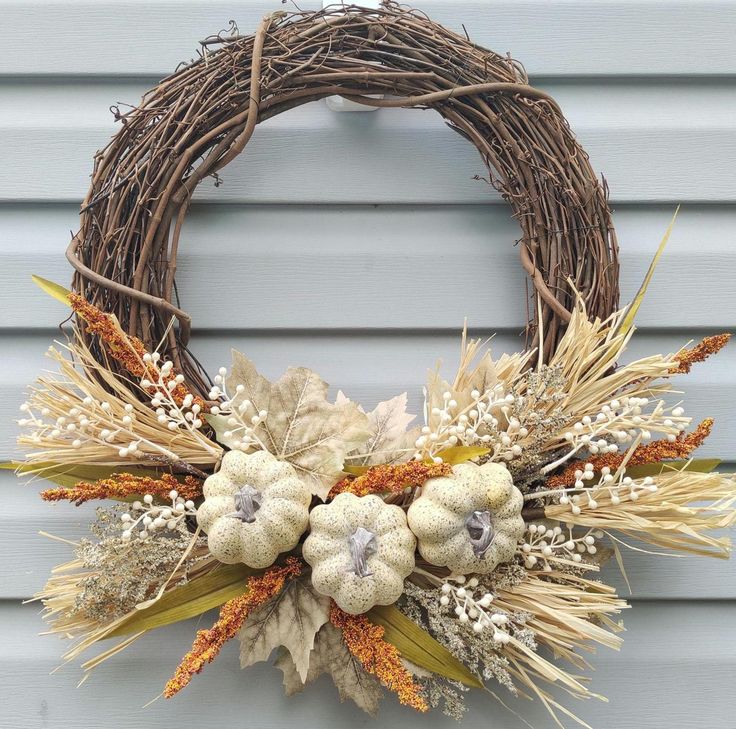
x=291 y=619
x=389 y=441
x=302 y=427
x=331 y=656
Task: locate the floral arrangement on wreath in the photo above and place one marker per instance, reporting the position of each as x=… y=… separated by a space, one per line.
x=423 y=559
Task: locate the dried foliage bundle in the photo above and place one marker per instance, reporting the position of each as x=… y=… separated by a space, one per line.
x=196 y=121
x=686 y=512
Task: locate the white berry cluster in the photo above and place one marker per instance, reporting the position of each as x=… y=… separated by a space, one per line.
x=242 y=416
x=475 y=610
x=78 y=422
x=169 y=413
x=619 y=423
x=544 y=547
x=486 y=421
x=147 y=518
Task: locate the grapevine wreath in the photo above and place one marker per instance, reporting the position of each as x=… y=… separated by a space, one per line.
x=426 y=560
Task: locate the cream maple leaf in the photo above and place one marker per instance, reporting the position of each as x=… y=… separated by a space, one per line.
x=301 y=427
x=292 y=619
x=331 y=656
x=389 y=440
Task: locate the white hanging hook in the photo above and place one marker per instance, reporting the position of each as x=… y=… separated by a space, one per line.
x=339 y=103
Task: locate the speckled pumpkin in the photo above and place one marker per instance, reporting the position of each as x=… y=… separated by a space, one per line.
x=469 y=521
x=255 y=507
x=360 y=550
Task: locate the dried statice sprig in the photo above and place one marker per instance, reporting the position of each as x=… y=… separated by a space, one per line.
x=450 y=614
x=146 y=518
x=561 y=610
x=86 y=414
x=109 y=576
x=445 y=694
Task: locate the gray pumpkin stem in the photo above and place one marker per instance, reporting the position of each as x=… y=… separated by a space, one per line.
x=480 y=531
x=247 y=502
x=362 y=545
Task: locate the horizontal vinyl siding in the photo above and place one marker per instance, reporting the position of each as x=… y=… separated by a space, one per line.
x=312 y=154
x=551 y=37
x=655 y=681
x=356 y=244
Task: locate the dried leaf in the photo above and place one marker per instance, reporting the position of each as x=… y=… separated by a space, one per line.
x=292 y=619
x=389 y=440
x=331 y=656
x=302 y=427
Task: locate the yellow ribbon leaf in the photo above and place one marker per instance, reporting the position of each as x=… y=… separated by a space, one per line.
x=417 y=646
x=192 y=599
x=454 y=455
x=55 y=290
x=461 y=454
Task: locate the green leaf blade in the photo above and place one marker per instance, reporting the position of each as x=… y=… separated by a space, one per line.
x=417 y=646
x=69 y=475
x=700 y=465
x=54 y=290
x=194 y=598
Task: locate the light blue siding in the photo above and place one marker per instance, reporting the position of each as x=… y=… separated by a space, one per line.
x=356 y=244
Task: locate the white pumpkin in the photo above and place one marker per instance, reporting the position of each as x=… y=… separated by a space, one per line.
x=360 y=550
x=469 y=521
x=255 y=507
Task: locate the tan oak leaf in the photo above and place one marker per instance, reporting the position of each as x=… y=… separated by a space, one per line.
x=292 y=619
x=331 y=656
x=302 y=426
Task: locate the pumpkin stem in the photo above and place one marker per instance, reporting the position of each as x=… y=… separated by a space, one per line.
x=481 y=531
x=247 y=502
x=362 y=546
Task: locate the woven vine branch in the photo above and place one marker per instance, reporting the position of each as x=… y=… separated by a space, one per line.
x=196 y=121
